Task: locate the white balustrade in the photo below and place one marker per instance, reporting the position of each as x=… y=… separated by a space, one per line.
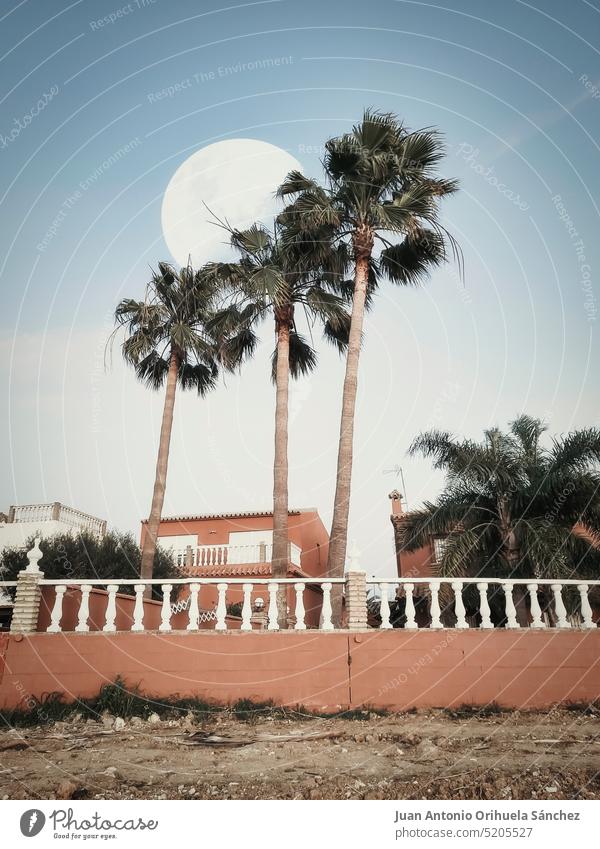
x=247 y=608
x=509 y=609
x=434 y=605
x=409 y=609
x=326 y=611
x=559 y=606
x=56 y=615
x=272 y=612
x=84 y=609
x=384 y=607
x=194 y=614
x=111 y=608
x=299 y=611
x=165 y=610
x=206 y=556
x=586 y=610
x=459 y=607
x=484 y=606
x=138 y=610
x=534 y=606
x=221 y=608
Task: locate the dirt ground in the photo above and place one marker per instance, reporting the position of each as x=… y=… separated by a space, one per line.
x=429 y=754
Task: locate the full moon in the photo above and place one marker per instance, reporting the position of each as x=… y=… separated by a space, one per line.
x=236 y=181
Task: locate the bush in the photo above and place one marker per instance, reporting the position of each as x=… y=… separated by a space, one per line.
x=86 y=556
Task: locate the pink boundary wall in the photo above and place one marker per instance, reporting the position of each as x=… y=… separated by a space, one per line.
x=393 y=669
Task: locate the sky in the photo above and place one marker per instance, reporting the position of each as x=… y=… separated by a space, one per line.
x=102 y=102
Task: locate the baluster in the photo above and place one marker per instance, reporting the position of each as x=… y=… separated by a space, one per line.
x=56 y=616
x=384 y=606
x=586 y=610
x=559 y=606
x=194 y=614
x=434 y=607
x=326 y=611
x=299 y=609
x=409 y=608
x=84 y=609
x=111 y=608
x=484 y=607
x=459 y=607
x=509 y=606
x=138 y=610
x=534 y=606
x=221 y=608
x=273 y=623
x=247 y=608
x=165 y=611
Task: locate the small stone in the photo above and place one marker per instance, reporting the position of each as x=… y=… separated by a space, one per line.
x=112 y=772
x=153 y=719
x=67 y=789
x=426 y=749
x=552 y=788
x=119 y=723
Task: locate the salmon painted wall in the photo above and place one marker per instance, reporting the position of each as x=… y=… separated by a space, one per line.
x=327 y=671
x=306 y=530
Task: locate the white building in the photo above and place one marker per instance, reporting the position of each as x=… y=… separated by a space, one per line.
x=45 y=520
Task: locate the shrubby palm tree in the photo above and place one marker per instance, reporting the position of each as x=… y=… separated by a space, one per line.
x=512 y=506
x=168 y=345
x=380 y=188
x=279 y=279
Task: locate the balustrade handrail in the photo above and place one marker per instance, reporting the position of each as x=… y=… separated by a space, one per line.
x=218 y=554
x=126 y=582
x=482 y=580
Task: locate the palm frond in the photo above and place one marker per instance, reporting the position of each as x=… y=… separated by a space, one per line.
x=303 y=358
x=410 y=262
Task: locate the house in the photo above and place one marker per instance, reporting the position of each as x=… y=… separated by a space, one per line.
x=424 y=563
x=239 y=546
x=22 y=522
x=421 y=563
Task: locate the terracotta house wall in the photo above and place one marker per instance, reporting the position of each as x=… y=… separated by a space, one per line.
x=396 y=670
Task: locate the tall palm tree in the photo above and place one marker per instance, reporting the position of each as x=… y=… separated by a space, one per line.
x=168 y=344
x=512 y=506
x=276 y=278
x=380 y=188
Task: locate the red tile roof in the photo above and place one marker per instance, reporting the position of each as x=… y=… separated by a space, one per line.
x=227 y=570
x=250 y=514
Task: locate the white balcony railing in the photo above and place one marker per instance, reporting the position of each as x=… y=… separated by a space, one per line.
x=427 y=604
x=39 y=513
x=482 y=603
x=195 y=616
x=220 y=555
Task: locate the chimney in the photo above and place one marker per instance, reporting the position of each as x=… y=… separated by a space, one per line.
x=396 y=499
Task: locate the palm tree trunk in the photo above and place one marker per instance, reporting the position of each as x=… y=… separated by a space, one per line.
x=158 y=496
x=280 y=556
x=339 y=528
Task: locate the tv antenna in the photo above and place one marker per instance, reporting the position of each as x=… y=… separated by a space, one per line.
x=398 y=472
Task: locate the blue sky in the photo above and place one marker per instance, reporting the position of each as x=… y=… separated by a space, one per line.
x=516 y=91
